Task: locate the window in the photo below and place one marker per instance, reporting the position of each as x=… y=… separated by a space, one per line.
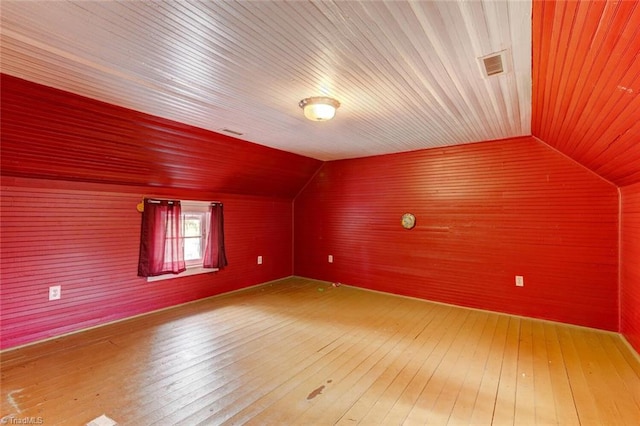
x=194 y=232
x=194 y=222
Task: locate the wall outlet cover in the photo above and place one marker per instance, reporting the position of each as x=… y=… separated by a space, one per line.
x=55 y=292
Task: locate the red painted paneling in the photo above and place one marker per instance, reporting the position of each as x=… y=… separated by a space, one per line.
x=630 y=265
x=586 y=83
x=48 y=133
x=85 y=238
x=485 y=213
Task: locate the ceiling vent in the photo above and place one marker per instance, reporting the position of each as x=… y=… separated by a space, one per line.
x=494 y=64
x=233 y=132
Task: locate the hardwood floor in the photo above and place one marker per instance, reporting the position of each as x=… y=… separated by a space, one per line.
x=302 y=352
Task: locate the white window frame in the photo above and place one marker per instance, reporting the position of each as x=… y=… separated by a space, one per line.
x=189 y=206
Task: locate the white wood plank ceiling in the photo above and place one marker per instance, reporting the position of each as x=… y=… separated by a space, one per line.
x=406 y=72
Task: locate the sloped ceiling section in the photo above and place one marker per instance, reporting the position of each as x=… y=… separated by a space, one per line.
x=52 y=134
x=586 y=84
x=407 y=73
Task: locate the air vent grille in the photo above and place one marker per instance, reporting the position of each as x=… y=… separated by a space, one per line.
x=494 y=64
x=233 y=132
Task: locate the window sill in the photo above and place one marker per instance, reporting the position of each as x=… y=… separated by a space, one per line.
x=191 y=270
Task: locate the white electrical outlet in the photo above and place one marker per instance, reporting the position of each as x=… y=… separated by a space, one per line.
x=330 y=258
x=55 y=292
x=259 y=260
x=519 y=281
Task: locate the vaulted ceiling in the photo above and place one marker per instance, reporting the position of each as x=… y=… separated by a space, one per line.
x=586 y=84
x=407 y=73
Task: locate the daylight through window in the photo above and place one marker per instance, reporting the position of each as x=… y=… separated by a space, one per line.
x=194 y=222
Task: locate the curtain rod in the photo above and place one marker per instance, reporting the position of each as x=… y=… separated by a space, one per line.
x=159 y=200
x=140 y=206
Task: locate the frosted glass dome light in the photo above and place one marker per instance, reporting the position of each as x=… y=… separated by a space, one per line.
x=319 y=108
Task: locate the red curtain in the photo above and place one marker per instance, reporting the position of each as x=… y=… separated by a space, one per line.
x=214 y=254
x=161 y=239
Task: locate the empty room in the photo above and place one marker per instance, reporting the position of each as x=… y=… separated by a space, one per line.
x=320 y=212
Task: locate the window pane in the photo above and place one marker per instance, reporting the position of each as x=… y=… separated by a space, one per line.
x=192 y=225
x=192 y=248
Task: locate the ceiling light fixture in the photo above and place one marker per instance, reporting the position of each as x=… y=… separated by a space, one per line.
x=319 y=108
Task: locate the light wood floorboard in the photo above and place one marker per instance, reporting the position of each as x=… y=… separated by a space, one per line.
x=302 y=352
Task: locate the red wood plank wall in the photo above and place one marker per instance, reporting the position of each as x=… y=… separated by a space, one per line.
x=630 y=265
x=485 y=213
x=85 y=238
